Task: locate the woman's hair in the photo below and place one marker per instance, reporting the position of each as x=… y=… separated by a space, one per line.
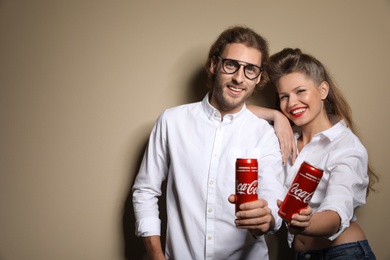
x=293 y=60
x=237 y=34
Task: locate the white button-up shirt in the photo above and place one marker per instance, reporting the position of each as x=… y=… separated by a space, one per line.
x=196 y=151
x=344 y=183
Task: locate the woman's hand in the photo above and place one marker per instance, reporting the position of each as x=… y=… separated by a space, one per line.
x=286 y=137
x=282 y=129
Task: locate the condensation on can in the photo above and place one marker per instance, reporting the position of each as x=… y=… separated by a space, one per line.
x=301 y=190
x=246 y=180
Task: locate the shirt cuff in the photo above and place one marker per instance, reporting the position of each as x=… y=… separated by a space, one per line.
x=344 y=222
x=148 y=227
x=278 y=221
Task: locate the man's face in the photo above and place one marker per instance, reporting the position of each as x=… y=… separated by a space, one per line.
x=230 y=91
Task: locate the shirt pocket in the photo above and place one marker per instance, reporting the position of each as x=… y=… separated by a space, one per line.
x=247 y=153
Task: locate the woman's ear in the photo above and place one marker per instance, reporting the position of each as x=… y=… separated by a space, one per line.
x=324 y=89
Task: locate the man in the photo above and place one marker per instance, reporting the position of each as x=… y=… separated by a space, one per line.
x=195 y=146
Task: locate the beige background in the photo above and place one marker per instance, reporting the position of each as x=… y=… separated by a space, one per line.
x=82 y=82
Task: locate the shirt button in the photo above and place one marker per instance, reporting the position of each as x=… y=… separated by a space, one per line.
x=307 y=256
x=209 y=237
x=211 y=182
x=210 y=210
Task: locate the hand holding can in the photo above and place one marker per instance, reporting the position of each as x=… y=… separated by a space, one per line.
x=301 y=190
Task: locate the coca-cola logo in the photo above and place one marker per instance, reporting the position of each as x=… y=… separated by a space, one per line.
x=300 y=194
x=247 y=188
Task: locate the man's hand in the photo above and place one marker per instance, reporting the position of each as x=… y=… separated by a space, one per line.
x=254 y=216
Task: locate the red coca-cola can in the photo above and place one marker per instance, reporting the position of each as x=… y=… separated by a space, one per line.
x=301 y=190
x=246 y=181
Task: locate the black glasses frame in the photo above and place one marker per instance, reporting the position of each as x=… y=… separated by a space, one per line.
x=237 y=62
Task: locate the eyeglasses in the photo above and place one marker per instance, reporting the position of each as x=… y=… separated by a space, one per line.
x=232 y=66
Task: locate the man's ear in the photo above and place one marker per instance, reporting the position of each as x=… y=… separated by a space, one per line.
x=213 y=65
x=258 y=78
x=324 y=90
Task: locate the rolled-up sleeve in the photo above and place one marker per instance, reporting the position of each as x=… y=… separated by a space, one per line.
x=147 y=186
x=347 y=184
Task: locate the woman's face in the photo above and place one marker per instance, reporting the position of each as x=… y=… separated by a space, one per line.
x=301 y=98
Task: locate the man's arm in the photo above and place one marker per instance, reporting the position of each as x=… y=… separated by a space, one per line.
x=147 y=190
x=153 y=248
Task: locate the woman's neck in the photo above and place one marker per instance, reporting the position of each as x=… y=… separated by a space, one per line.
x=311 y=129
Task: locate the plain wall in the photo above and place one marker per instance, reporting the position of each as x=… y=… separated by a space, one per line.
x=82 y=82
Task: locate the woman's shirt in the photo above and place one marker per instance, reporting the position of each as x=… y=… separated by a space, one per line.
x=339 y=152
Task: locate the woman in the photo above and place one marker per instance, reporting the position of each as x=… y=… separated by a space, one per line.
x=326 y=137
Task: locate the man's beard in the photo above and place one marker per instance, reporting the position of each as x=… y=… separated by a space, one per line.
x=224 y=102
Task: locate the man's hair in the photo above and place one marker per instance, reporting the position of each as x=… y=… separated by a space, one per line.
x=238 y=34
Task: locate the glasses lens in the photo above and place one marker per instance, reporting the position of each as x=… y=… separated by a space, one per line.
x=252 y=71
x=230 y=66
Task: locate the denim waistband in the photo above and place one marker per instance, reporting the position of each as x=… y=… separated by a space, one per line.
x=359 y=249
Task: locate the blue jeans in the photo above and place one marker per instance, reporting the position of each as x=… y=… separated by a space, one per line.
x=349 y=251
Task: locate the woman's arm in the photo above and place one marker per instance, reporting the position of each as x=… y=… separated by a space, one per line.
x=318 y=224
x=282 y=129
x=323 y=224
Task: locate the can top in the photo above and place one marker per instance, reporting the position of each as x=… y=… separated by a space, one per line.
x=248 y=160
x=314 y=166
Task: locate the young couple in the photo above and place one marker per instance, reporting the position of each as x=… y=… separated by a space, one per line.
x=194 y=147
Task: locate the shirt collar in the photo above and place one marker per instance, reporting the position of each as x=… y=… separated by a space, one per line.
x=331 y=133
x=212 y=112
x=335 y=130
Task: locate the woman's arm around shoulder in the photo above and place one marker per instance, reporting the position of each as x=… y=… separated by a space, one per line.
x=282 y=129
